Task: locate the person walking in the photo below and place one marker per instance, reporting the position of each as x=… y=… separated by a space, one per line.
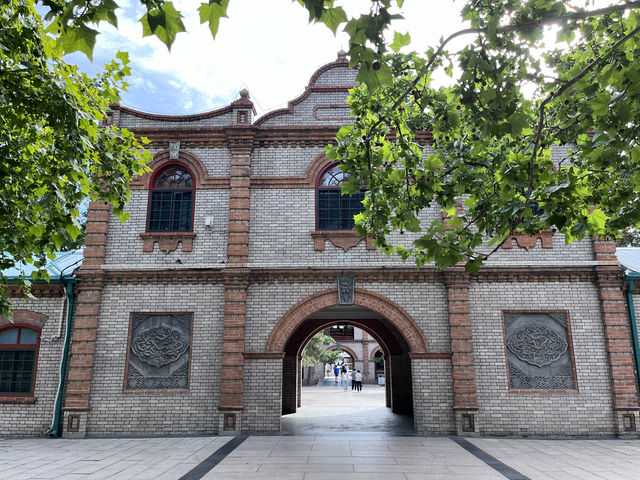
x=353 y=379
x=358 y=381
x=336 y=372
x=345 y=380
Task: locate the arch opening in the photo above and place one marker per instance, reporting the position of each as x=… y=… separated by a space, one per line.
x=384 y=335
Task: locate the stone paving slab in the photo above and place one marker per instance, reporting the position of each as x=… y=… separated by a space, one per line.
x=98 y=459
x=319 y=457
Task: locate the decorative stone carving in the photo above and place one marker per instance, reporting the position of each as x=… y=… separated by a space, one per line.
x=538 y=354
x=159 y=352
x=174 y=150
x=346 y=287
x=159 y=346
x=537 y=345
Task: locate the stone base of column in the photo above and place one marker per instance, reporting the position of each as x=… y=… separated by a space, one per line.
x=467 y=422
x=74 y=423
x=627 y=423
x=230 y=422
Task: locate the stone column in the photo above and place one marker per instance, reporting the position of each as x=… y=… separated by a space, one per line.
x=465 y=403
x=85 y=322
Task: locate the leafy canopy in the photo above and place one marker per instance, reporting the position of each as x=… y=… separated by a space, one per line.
x=55 y=150
x=512 y=93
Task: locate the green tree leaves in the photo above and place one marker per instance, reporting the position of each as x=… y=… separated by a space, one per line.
x=55 y=149
x=165 y=22
x=489 y=170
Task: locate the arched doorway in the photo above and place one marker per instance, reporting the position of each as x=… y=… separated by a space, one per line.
x=392 y=328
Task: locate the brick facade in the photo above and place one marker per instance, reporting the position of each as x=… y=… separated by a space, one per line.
x=258 y=280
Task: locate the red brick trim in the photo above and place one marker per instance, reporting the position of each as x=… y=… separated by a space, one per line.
x=570 y=348
x=5 y=400
x=529 y=241
x=26 y=317
x=605 y=252
x=297 y=314
x=189 y=160
x=172 y=118
x=167 y=241
x=460 y=332
x=46 y=290
x=617 y=336
x=344 y=239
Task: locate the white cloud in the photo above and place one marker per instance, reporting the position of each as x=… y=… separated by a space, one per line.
x=267 y=47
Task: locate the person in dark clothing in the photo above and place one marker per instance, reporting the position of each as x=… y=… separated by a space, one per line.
x=358 y=381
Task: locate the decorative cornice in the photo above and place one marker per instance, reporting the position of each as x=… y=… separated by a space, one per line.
x=37 y=289
x=173 y=118
x=329 y=275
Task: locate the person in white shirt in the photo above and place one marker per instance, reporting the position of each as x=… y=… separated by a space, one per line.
x=358 y=381
x=345 y=380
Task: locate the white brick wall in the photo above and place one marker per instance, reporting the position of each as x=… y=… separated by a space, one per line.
x=114 y=412
x=124 y=244
x=585 y=412
x=36 y=418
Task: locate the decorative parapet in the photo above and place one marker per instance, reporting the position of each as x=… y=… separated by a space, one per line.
x=529 y=241
x=167 y=241
x=344 y=239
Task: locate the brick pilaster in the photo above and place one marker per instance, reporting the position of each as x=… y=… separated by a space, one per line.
x=619 y=345
x=236 y=274
x=85 y=323
x=605 y=252
x=463 y=364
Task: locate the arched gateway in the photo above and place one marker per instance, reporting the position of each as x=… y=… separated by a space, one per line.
x=391 y=326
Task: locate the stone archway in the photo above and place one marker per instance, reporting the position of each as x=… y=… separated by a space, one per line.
x=297 y=314
x=395 y=331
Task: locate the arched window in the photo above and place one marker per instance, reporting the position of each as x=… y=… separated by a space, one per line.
x=18 y=359
x=171 y=201
x=336 y=211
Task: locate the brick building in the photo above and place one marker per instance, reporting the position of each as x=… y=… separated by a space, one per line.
x=190 y=318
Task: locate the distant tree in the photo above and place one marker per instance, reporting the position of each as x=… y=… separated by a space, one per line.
x=316 y=351
x=629 y=238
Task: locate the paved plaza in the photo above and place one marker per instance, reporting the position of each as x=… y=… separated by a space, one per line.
x=362 y=441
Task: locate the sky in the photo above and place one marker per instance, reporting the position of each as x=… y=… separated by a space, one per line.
x=265 y=46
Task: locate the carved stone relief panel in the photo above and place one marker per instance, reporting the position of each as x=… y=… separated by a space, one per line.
x=538 y=351
x=159 y=347
x=346 y=286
